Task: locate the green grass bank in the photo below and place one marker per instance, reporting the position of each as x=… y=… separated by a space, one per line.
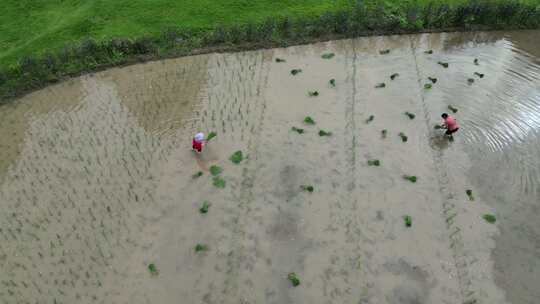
x=43 y=42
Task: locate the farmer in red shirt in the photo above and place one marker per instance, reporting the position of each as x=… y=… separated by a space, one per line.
x=198 y=142
x=449 y=124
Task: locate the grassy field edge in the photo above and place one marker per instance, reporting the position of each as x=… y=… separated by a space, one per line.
x=31 y=73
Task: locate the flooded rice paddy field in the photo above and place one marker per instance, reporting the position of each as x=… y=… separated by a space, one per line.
x=97 y=180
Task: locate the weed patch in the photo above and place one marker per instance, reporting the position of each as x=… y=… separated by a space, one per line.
x=218 y=182
x=469 y=194
x=237 y=157
x=201 y=248
x=307 y=188
x=204 y=207
x=324 y=133
x=490 y=218
x=374 y=162
x=443 y=64
x=293 y=278
x=410 y=178
x=215 y=170
x=295 y=71
x=328 y=56
x=408 y=221
x=153 y=269
x=452 y=108
x=403 y=137
x=297 y=130
x=308 y=120
x=370 y=118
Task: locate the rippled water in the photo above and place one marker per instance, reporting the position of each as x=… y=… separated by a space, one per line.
x=96 y=177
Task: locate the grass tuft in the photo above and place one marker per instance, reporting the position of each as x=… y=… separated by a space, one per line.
x=293 y=278
x=490 y=218
x=308 y=120
x=215 y=170
x=374 y=162
x=411 y=178
x=204 y=207
x=404 y=137
x=237 y=157
x=328 y=56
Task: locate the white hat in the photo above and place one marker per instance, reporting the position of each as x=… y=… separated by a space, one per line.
x=199 y=136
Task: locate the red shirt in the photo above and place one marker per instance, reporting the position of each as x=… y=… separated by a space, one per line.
x=451 y=123
x=197 y=145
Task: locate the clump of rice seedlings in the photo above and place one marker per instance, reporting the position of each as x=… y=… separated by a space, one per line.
x=218 y=182
x=452 y=108
x=411 y=178
x=380 y=85
x=324 y=133
x=370 y=118
x=313 y=93
x=332 y=82
x=410 y=115
x=384 y=52
x=444 y=64
x=215 y=170
x=470 y=80
x=479 y=74
x=308 y=120
x=476 y=61
x=280 y=60
x=404 y=137
x=307 y=188
x=408 y=220
x=294 y=279
x=211 y=135
x=327 y=55
x=237 y=157
x=197 y=175
x=204 y=207
x=201 y=247
x=393 y=76
x=428 y=86
x=432 y=79
x=384 y=132
x=437 y=127
x=153 y=269
x=374 y=162
x=296 y=71
x=429 y=52
x=490 y=218
x=469 y=194
x=298 y=130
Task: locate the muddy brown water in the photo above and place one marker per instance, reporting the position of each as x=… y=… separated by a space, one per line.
x=96 y=178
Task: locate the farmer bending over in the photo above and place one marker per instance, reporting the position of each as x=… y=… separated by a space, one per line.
x=198 y=142
x=450 y=124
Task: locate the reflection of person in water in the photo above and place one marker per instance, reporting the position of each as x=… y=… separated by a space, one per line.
x=449 y=124
x=198 y=142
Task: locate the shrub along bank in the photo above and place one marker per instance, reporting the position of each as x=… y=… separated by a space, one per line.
x=32 y=73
